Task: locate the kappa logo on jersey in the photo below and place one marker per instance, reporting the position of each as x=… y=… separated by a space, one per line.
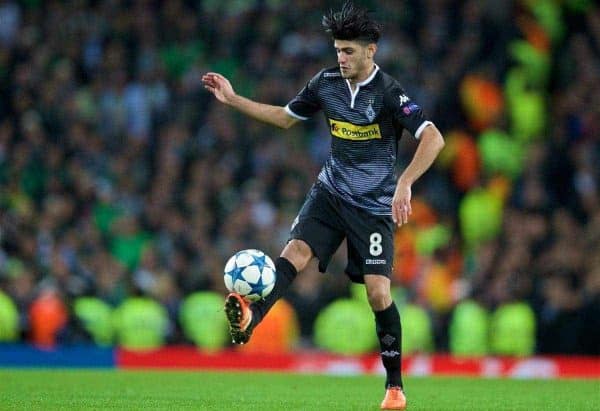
x=403 y=99
x=349 y=131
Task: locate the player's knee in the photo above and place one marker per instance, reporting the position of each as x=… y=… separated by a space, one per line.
x=379 y=298
x=298 y=253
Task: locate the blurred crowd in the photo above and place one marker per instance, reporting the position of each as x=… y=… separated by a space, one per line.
x=121 y=176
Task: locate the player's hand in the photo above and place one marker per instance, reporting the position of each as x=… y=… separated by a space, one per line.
x=219 y=86
x=401 y=208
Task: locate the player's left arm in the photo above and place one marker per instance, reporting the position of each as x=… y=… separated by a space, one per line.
x=431 y=143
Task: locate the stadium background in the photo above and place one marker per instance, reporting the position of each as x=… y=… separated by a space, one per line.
x=122 y=180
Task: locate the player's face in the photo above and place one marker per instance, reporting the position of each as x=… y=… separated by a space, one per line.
x=355 y=59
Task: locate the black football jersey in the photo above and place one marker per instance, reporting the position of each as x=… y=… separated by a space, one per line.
x=365 y=126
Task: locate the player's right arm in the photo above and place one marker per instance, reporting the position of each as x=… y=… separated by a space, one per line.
x=218 y=85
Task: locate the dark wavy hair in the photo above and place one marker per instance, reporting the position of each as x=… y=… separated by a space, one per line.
x=351 y=23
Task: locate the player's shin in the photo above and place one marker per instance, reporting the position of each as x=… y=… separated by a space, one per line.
x=389 y=332
x=286 y=273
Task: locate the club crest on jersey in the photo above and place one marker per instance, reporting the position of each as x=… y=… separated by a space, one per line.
x=349 y=131
x=370 y=113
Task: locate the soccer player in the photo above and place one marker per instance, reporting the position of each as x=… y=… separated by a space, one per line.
x=357 y=195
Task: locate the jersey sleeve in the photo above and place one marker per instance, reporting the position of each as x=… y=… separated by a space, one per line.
x=405 y=111
x=306 y=103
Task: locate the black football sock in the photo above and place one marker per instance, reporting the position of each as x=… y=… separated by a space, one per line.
x=286 y=272
x=389 y=333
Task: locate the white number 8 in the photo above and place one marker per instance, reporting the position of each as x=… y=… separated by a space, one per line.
x=375 y=248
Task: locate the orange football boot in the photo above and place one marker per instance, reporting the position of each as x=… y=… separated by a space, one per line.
x=239 y=315
x=394 y=399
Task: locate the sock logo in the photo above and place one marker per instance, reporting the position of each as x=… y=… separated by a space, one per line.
x=390 y=354
x=388 y=339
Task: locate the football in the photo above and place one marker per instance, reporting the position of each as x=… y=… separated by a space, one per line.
x=250 y=273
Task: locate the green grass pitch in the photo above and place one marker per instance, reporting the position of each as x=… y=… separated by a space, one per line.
x=199 y=390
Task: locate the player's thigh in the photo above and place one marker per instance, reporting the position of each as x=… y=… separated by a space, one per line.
x=319 y=226
x=370 y=241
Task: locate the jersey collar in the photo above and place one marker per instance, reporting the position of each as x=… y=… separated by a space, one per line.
x=354 y=93
x=367 y=80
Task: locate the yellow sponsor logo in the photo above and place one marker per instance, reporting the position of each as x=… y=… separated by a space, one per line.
x=351 y=131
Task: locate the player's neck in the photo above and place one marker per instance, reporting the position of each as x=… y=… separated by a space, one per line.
x=361 y=76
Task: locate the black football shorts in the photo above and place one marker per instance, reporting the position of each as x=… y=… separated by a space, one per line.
x=325 y=220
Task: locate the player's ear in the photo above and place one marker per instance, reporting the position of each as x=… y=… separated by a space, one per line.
x=371 y=50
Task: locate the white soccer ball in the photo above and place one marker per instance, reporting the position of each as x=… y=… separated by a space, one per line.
x=250 y=273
